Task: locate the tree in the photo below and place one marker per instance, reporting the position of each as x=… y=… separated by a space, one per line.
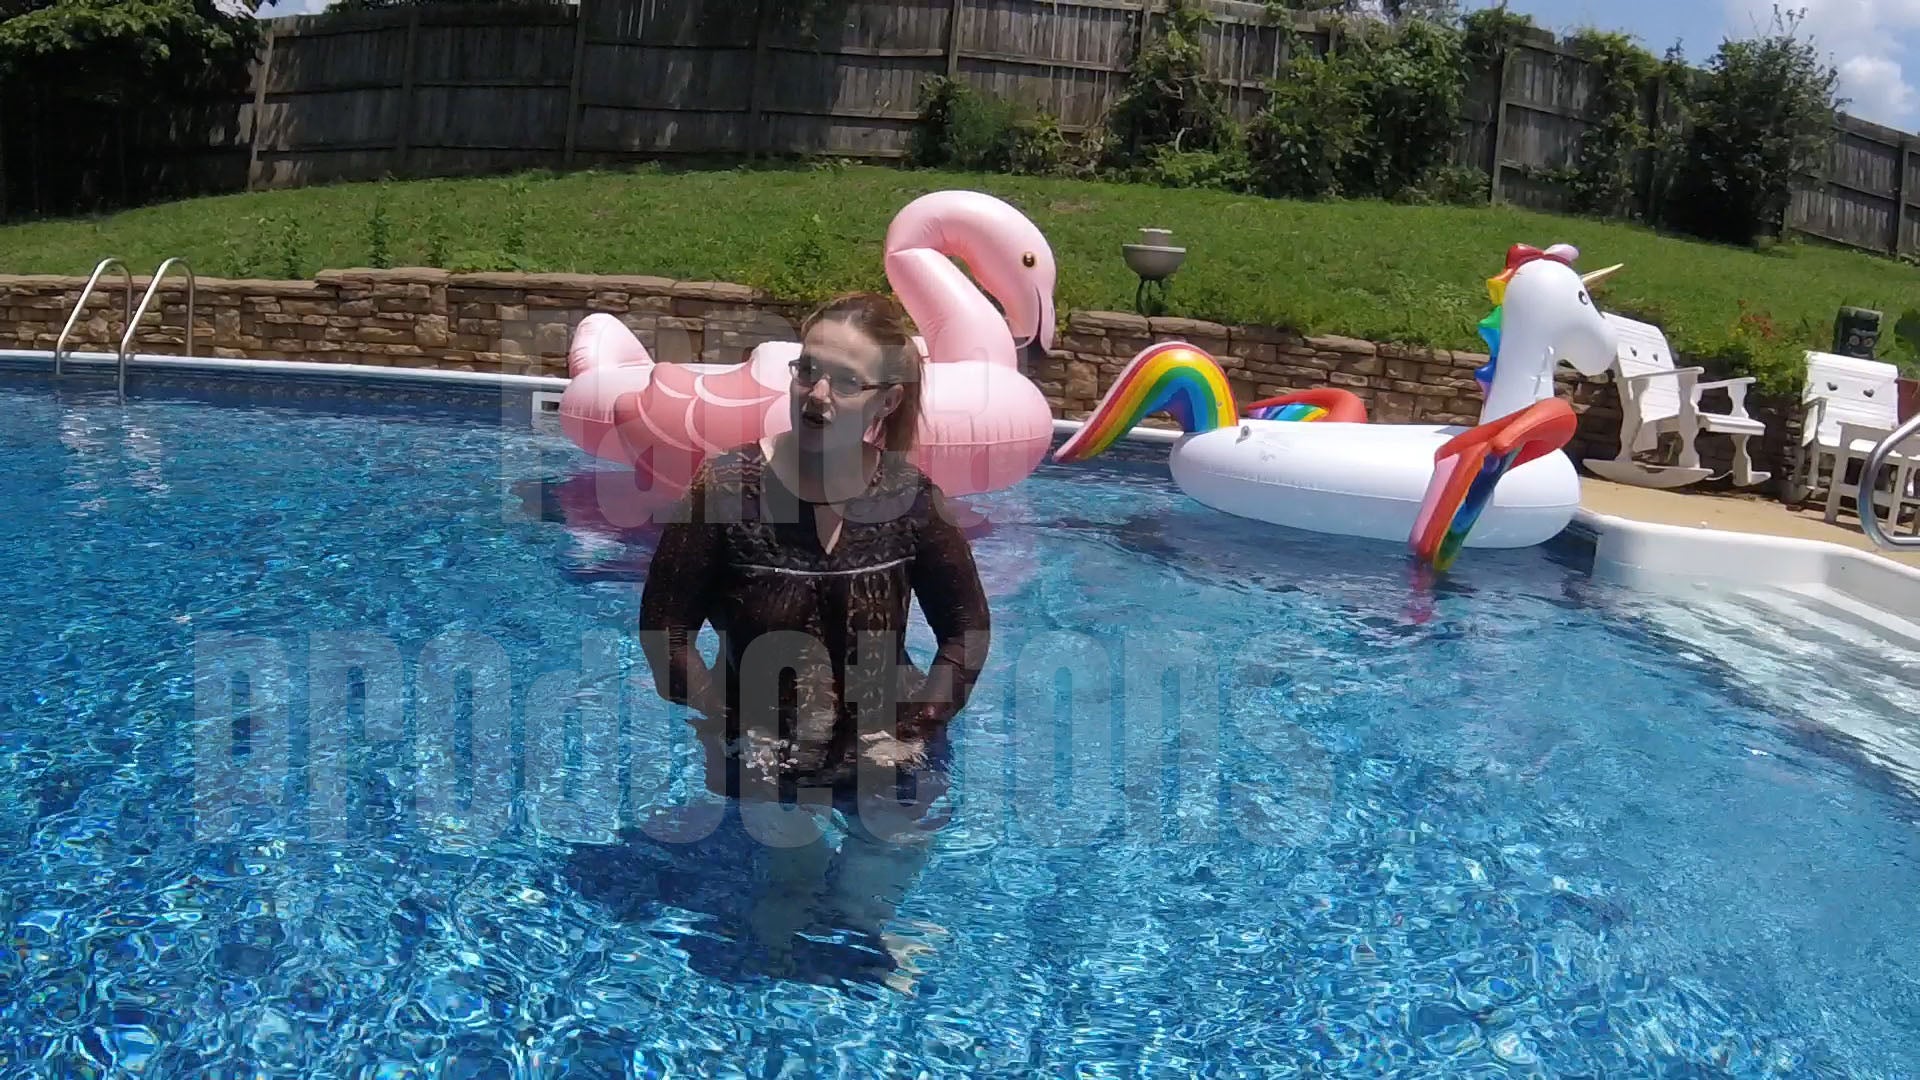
x=80 y=80
x=1443 y=12
x=1760 y=115
x=116 y=51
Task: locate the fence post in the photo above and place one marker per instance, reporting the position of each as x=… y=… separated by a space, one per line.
x=261 y=76
x=953 y=39
x=1499 y=131
x=574 y=76
x=1650 y=173
x=403 y=143
x=1900 y=196
x=756 y=101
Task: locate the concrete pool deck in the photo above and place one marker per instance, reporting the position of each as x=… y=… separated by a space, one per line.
x=1730 y=512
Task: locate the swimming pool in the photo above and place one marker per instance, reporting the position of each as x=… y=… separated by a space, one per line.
x=1526 y=822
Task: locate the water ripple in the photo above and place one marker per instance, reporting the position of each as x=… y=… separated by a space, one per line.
x=1511 y=827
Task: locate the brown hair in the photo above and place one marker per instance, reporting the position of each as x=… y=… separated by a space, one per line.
x=881 y=318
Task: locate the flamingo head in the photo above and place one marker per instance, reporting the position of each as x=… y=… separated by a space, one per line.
x=1003 y=251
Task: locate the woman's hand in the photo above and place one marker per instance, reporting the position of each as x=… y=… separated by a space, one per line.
x=888 y=752
x=919 y=721
x=712 y=706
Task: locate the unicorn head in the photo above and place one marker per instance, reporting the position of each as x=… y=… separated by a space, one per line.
x=1543 y=314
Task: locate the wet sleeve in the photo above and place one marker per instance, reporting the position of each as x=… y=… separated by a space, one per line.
x=682 y=581
x=947 y=584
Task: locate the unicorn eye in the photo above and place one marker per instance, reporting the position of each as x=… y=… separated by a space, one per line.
x=1028 y=260
x=1583 y=298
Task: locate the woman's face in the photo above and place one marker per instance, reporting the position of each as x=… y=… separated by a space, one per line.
x=835 y=398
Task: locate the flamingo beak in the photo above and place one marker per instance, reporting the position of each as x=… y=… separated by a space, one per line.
x=1600 y=275
x=1034 y=351
x=1032 y=354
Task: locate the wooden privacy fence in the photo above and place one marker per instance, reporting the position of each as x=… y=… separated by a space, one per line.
x=1869 y=195
x=462 y=89
x=434 y=91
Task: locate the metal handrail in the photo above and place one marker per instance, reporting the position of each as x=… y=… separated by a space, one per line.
x=126 y=340
x=60 y=346
x=1863 y=495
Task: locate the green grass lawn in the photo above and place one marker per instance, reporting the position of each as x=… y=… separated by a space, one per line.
x=1365 y=269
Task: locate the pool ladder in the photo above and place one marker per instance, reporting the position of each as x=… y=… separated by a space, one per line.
x=133 y=315
x=1869 y=474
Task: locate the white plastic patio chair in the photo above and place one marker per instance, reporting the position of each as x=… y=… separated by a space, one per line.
x=1657 y=399
x=1848 y=406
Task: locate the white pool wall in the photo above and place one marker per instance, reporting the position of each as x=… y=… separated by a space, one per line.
x=1634 y=553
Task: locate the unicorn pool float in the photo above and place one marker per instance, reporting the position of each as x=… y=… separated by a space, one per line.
x=985 y=426
x=1309 y=460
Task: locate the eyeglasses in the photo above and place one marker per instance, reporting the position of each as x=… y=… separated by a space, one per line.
x=807 y=374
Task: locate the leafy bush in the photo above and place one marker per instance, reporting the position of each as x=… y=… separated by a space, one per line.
x=1314 y=122
x=1413 y=84
x=291 y=248
x=1755 y=345
x=1218 y=170
x=252 y=259
x=1487 y=35
x=68 y=67
x=1760 y=114
x=1455 y=185
x=1375 y=118
x=1603 y=180
x=961 y=128
x=379 y=232
x=1668 y=140
x=1039 y=147
x=802 y=262
x=438 y=239
x=513 y=238
x=1169 y=99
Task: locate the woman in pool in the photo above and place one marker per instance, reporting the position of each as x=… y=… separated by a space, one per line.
x=804 y=551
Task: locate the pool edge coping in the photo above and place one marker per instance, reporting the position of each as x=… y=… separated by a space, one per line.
x=1625 y=549
x=1650 y=554
x=93 y=361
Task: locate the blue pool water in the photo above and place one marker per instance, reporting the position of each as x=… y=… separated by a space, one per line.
x=1511 y=825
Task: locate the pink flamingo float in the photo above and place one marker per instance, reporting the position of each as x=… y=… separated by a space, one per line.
x=985 y=425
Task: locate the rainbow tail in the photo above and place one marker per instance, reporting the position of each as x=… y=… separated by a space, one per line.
x=1172 y=376
x=1468 y=468
x=1325 y=403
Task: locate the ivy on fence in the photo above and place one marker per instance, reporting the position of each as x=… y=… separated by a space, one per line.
x=1604 y=179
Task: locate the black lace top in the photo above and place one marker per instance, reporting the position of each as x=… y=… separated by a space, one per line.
x=812 y=643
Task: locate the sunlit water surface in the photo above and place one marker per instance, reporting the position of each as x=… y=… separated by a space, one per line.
x=1526 y=823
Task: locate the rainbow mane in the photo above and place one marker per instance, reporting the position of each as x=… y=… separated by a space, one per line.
x=1172 y=376
x=1489 y=333
x=1518 y=256
x=1297 y=411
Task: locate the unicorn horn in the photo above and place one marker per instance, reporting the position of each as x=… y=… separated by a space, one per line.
x=1600 y=275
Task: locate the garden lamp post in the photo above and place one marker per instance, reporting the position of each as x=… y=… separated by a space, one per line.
x=1153 y=261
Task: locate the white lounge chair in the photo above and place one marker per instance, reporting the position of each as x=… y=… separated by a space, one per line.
x=1848 y=406
x=1656 y=399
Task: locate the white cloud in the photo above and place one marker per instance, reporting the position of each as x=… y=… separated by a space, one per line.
x=292 y=7
x=1865 y=40
x=1877 y=90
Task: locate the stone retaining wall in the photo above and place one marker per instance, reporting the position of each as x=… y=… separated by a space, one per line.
x=521 y=324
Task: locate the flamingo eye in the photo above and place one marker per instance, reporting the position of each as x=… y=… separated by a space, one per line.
x=1028 y=260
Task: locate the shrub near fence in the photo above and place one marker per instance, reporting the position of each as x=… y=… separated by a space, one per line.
x=473 y=88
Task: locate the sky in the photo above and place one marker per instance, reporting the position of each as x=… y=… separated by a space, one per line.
x=1872 y=43
x=292 y=7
